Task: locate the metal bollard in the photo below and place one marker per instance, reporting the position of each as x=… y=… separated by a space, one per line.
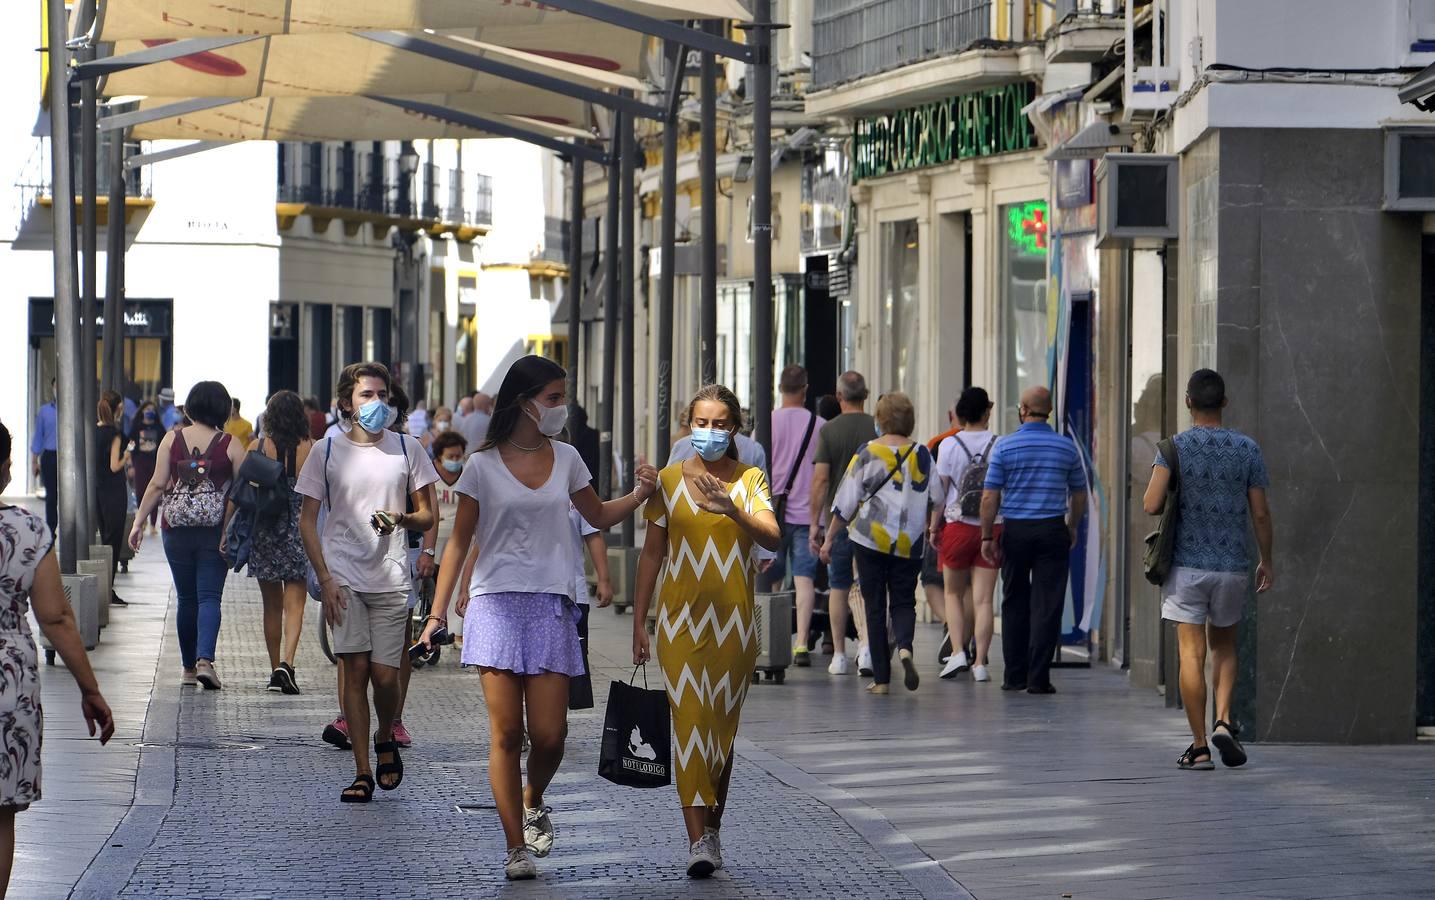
x=103 y=553
x=82 y=592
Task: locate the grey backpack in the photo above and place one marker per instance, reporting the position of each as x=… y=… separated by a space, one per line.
x=973 y=480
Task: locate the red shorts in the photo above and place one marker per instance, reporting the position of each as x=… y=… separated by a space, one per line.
x=962 y=546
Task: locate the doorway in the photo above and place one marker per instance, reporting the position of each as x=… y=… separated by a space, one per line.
x=1425 y=531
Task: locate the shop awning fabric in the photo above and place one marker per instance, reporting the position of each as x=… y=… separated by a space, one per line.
x=311 y=65
x=531 y=26
x=331 y=119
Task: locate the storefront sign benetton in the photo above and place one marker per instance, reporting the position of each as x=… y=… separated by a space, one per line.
x=983 y=123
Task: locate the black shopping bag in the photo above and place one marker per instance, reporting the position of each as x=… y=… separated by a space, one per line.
x=637 y=749
x=580 y=687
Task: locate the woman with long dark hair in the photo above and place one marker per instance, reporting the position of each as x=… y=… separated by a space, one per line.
x=111 y=490
x=193 y=469
x=709 y=514
x=277 y=558
x=520 y=618
x=146 y=432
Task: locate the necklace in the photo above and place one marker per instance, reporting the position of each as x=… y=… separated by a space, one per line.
x=523 y=448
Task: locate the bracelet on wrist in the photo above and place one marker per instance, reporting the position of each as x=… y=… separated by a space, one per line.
x=437 y=619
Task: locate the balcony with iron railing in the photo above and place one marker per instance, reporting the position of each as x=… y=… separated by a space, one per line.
x=555 y=240
x=1086 y=31
x=34 y=188
x=861 y=49
x=340 y=181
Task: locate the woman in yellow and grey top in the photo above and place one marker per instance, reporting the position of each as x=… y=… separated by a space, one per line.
x=706 y=517
x=882 y=502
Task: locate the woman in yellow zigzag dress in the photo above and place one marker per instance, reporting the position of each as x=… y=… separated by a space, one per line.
x=706 y=516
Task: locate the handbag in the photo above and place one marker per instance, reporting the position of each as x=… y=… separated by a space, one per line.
x=1161 y=544
x=637 y=743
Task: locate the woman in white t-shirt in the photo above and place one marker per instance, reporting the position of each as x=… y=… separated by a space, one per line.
x=956 y=532
x=520 y=625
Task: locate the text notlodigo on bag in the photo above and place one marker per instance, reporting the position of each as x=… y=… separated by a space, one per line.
x=637 y=748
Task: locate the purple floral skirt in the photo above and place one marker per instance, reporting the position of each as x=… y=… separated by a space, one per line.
x=527 y=634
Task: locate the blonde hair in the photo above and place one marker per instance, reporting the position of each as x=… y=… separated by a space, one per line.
x=895 y=414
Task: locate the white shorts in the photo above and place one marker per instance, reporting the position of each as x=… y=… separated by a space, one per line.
x=1198 y=597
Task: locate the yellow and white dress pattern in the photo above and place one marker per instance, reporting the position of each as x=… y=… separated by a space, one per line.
x=707 y=646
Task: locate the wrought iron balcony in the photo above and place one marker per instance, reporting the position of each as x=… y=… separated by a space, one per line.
x=853 y=39
x=555 y=240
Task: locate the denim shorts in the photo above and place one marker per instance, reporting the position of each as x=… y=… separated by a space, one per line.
x=839 y=571
x=794 y=552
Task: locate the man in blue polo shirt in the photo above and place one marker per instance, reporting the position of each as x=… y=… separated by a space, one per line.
x=1036 y=481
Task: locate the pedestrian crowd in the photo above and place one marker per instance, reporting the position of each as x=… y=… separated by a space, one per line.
x=417 y=529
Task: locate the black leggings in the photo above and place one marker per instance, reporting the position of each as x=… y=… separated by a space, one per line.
x=113 y=506
x=887 y=578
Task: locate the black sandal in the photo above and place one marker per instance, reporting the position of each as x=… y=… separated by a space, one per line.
x=364 y=784
x=1189 y=759
x=395 y=768
x=1232 y=753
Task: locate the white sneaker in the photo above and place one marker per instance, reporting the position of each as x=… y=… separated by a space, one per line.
x=956 y=665
x=839 y=665
x=702 y=861
x=979 y=673
x=519 y=865
x=715 y=840
x=538 y=831
x=864 y=662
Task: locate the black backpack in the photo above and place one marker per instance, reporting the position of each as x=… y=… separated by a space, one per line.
x=261 y=487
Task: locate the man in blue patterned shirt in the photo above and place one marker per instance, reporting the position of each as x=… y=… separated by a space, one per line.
x=1035 y=480
x=1221 y=490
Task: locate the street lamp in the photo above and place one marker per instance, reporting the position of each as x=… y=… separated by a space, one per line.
x=408 y=166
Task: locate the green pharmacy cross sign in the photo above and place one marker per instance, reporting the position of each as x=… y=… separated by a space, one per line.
x=1026 y=227
x=983 y=123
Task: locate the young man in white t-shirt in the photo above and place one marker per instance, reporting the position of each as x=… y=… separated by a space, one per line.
x=955 y=531
x=366 y=477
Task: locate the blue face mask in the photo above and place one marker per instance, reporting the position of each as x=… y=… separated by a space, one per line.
x=877 y=428
x=711 y=443
x=375 y=416
x=453 y=465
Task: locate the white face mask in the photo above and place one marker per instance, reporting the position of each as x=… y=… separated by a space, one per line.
x=550 y=419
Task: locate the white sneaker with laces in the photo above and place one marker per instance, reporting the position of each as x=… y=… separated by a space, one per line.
x=956 y=665
x=519 y=865
x=979 y=673
x=538 y=831
x=864 y=662
x=839 y=665
x=702 y=861
x=715 y=840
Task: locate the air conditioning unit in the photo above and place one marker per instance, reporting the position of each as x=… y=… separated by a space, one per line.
x=1137 y=199
x=1410 y=169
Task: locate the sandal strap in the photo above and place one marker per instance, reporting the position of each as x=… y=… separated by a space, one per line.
x=386 y=746
x=1222 y=723
x=361 y=782
x=1193 y=751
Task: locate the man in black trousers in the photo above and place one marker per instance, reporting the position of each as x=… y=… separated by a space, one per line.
x=1036 y=482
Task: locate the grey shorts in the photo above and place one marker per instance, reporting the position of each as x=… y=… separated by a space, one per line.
x=376 y=624
x=1198 y=597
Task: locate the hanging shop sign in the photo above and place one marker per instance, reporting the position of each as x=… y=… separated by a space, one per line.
x=143 y=318
x=1027 y=227
x=825 y=178
x=983 y=123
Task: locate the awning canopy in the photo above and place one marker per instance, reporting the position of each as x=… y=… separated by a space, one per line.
x=535 y=27
x=1420 y=90
x=308 y=65
x=330 y=119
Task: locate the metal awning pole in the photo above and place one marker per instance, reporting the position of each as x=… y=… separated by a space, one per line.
x=625 y=163
x=575 y=276
x=610 y=314
x=707 y=170
x=115 y=270
x=764 y=355
x=89 y=280
x=677 y=63
x=66 y=313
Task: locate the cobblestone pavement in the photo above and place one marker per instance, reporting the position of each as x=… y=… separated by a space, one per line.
x=256 y=811
x=955 y=788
